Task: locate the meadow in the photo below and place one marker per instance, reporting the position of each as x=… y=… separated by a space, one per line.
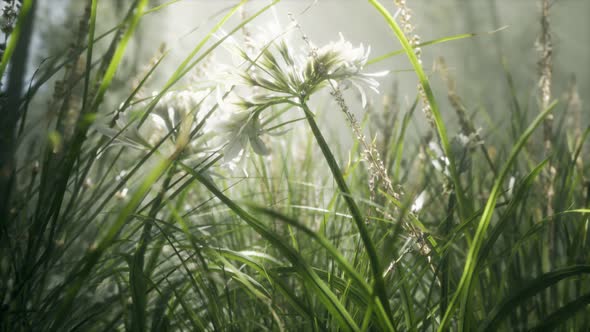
x=269 y=181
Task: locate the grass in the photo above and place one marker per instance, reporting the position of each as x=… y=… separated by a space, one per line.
x=111 y=221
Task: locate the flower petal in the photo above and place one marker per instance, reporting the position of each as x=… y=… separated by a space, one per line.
x=258 y=146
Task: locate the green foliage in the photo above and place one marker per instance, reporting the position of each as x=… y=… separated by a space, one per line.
x=106 y=229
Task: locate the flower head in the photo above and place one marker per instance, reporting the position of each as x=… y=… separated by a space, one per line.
x=340 y=59
x=342 y=64
x=238 y=126
x=280 y=69
x=274 y=70
x=175 y=112
x=243 y=128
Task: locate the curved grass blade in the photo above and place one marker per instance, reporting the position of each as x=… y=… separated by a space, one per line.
x=464 y=287
x=563 y=314
x=531 y=289
x=441 y=129
x=574 y=211
x=85 y=266
x=334 y=253
x=326 y=296
x=14 y=37
x=359 y=220
x=433 y=42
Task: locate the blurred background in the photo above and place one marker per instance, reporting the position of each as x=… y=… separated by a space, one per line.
x=479 y=64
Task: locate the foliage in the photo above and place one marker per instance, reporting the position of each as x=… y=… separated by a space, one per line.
x=220 y=202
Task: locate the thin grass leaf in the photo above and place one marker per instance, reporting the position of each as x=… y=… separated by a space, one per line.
x=335 y=254
x=90 y=47
x=328 y=298
x=433 y=42
x=14 y=37
x=81 y=273
x=529 y=290
x=551 y=322
x=518 y=198
x=359 y=220
x=118 y=55
x=441 y=129
x=464 y=287
x=138 y=286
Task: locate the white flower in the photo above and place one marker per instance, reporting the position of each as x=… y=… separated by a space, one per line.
x=419 y=202
x=462 y=146
x=341 y=63
x=238 y=126
x=153 y=130
x=273 y=71
x=440 y=162
x=341 y=59
x=175 y=117
x=174 y=107
x=250 y=56
x=262 y=37
x=278 y=69
x=122 y=194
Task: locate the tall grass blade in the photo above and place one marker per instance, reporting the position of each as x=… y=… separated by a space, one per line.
x=464 y=287
x=327 y=297
x=24 y=11
x=530 y=289
x=440 y=126
x=359 y=220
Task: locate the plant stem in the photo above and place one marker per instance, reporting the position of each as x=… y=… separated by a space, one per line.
x=352 y=206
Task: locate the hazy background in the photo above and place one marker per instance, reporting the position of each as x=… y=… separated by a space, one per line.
x=475 y=63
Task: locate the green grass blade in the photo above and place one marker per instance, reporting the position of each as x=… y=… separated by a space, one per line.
x=14 y=37
x=432 y=42
x=334 y=253
x=464 y=287
x=530 y=289
x=138 y=289
x=514 y=201
x=359 y=220
x=426 y=43
x=90 y=47
x=118 y=55
x=90 y=260
x=551 y=322
x=441 y=129
x=321 y=240
x=327 y=297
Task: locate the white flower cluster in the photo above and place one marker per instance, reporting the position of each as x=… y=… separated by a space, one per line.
x=269 y=71
x=174 y=112
x=169 y=112
x=344 y=63
x=235 y=126
x=273 y=71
